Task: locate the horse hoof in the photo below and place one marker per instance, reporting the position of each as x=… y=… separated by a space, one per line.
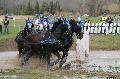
x=48 y=67
x=51 y=64
x=86 y=55
x=22 y=64
x=60 y=65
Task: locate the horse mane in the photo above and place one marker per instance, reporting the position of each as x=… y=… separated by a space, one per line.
x=54 y=26
x=20 y=36
x=59 y=30
x=75 y=28
x=56 y=23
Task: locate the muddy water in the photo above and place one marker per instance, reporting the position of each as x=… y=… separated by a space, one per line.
x=105 y=61
x=8 y=55
x=10 y=60
x=96 y=58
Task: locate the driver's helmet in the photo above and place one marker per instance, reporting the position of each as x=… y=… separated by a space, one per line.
x=79 y=19
x=41 y=16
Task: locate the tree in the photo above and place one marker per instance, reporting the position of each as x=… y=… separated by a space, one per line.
x=1 y=10
x=37 y=7
x=29 y=9
x=119 y=5
x=57 y=5
x=45 y=7
x=99 y=5
x=90 y=5
x=52 y=9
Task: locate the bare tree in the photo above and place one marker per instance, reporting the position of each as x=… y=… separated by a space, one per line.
x=90 y=5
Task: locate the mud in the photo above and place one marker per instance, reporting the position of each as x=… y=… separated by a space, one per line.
x=8 y=45
x=96 y=59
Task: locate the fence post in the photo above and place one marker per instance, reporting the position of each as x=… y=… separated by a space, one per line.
x=96 y=26
x=107 y=29
x=114 y=29
x=99 y=28
x=92 y=28
x=111 y=27
x=103 y=28
x=118 y=28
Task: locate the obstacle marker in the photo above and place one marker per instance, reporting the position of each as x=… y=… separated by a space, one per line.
x=82 y=48
x=118 y=28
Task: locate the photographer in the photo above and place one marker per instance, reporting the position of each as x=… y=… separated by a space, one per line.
x=6 y=25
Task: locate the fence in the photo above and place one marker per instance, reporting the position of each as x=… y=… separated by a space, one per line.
x=103 y=28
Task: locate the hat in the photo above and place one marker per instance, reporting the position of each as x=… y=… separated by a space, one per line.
x=79 y=19
x=45 y=17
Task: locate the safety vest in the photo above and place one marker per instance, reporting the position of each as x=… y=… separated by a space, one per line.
x=104 y=18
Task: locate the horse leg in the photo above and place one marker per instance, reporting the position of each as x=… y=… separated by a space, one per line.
x=48 y=60
x=20 y=49
x=64 y=57
x=59 y=58
x=26 y=54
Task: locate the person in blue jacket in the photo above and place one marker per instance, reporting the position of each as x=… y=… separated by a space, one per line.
x=80 y=24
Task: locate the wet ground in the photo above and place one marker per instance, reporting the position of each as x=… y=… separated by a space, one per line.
x=10 y=60
x=107 y=61
x=98 y=61
x=96 y=58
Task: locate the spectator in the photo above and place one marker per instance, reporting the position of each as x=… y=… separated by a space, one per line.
x=116 y=19
x=6 y=25
x=80 y=24
x=1 y=23
x=109 y=20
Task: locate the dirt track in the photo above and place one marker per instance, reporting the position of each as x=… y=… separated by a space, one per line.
x=10 y=60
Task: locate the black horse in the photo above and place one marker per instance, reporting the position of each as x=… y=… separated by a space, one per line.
x=44 y=44
x=54 y=41
x=20 y=38
x=77 y=29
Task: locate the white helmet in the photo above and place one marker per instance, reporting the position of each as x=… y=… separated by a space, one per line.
x=79 y=19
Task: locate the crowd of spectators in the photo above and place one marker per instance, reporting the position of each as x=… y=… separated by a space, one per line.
x=4 y=25
x=42 y=22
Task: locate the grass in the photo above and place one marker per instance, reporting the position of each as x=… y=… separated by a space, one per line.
x=50 y=74
x=105 y=42
x=13 y=30
x=95 y=19
x=19 y=24
x=38 y=74
x=97 y=42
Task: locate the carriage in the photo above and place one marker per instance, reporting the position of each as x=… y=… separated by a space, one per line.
x=43 y=44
